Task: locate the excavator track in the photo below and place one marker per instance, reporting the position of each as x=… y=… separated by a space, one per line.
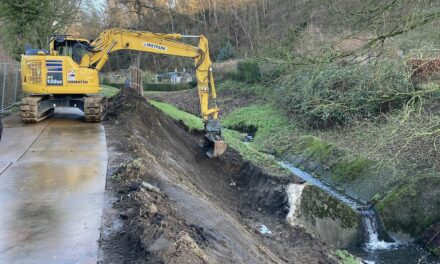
x=95 y=108
x=29 y=110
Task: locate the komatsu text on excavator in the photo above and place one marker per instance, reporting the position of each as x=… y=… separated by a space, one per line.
x=68 y=76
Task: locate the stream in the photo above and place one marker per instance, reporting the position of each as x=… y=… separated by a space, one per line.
x=374 y=250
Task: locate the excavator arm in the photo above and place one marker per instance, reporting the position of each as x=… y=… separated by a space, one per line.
x=121 y=39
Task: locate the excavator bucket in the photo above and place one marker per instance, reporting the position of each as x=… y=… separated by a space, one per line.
x=216 y=149
x=214 y=144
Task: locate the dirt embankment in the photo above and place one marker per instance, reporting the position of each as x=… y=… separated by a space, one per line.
x=204 y=210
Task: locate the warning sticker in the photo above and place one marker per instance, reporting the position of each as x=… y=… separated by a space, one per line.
x=71 y=76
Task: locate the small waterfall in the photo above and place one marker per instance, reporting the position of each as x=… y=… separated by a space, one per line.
x=373 y=242
x=374 y=250
x=369 y=217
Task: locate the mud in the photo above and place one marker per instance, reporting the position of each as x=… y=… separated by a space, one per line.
x=206 y=210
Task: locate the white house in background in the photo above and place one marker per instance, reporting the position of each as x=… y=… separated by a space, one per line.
x=175 y=77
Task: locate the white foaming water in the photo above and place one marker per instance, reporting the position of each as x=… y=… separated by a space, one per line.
x=294 y=192
x=321 y=185
x=374 y=243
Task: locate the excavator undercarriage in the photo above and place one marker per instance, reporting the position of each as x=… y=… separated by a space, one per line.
x=36 y=108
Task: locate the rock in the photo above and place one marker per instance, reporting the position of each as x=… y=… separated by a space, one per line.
x=151 y=188
x=161 y=244
x=152 y=209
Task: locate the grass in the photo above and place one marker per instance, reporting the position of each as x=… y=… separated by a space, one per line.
x=274 y=132
x=268 y=162
x=344 y=257
x=350 y=170
x=191 y=121
x=108 y=91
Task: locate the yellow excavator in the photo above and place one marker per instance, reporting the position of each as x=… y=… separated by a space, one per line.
x=68 y=76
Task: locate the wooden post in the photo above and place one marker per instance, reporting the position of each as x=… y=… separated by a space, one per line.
x=136 y=80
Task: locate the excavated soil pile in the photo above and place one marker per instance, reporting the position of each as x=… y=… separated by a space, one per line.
x=174 y=205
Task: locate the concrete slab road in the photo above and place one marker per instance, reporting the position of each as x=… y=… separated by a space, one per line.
x=52 y=181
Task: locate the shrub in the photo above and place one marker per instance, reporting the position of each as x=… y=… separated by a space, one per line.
x=225 y=70
x=248 y=71
x=116 y=85
x=337 y=94
x=148 y=77
x=166 y=87
x=105 y=80
x=226 y=52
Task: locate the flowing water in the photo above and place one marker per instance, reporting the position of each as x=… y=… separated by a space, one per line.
x=375 y=249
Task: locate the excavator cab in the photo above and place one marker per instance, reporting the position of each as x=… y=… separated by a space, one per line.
x=66 y=45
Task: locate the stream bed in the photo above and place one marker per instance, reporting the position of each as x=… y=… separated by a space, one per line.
x=374 y=249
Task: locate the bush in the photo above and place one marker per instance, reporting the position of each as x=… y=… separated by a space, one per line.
x=248 y=71
x=116 y=85
x=148 y=77
x=226 y=52
x=105 y=80
x=335 y=94
x=166 y=87
x=225 y=70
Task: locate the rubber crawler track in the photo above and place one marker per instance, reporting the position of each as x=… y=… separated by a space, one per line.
x=29 y=110
x=94 y=108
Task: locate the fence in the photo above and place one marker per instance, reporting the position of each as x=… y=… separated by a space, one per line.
x=10 y=84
